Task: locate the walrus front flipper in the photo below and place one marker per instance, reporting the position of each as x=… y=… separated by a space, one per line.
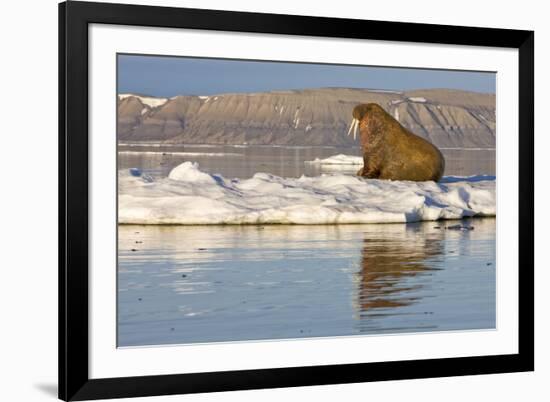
x=369 y=169
x=369 y=174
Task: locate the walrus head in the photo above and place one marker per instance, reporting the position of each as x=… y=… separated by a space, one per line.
x=361 y=111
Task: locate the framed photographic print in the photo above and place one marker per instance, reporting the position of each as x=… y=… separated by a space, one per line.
x=257 y=200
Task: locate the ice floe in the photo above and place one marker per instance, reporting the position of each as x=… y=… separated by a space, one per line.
x=189 y=196
x=339 y=159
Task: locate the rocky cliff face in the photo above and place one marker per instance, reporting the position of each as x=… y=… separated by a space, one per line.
x=447 y=118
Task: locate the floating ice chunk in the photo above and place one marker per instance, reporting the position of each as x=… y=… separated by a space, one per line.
x=189 y=196
x=339 y=159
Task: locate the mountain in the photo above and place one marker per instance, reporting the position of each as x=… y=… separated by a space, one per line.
x=447 y=118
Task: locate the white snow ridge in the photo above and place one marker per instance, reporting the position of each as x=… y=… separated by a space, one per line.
x=189 y=197
x=146 y=100
x=417 y=99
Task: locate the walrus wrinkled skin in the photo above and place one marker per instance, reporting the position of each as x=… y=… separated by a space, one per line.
x=392 y=152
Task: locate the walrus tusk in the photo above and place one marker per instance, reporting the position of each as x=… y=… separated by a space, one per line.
x=351 y=126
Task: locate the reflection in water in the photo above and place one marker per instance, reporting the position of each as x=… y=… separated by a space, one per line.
x=387 y=276
x=182 y=284
x=381 y=274
x=387 y=263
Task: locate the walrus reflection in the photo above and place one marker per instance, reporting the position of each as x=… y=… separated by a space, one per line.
x=392 y=152
x=388 y=261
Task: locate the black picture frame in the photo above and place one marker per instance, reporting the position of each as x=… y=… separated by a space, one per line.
x=74 y=381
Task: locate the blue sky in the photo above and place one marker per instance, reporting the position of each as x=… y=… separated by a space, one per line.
x=169 y=76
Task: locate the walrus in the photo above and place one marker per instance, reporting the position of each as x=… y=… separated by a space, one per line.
x=392 y=152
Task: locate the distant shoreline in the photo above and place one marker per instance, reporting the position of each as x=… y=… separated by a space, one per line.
x=308 y=117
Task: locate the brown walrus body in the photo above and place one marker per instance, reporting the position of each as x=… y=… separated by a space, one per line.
x=392 y=152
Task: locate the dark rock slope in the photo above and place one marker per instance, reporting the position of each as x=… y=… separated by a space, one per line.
x=448 y=118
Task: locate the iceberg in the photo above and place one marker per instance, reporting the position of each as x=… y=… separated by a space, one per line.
x=189 y=196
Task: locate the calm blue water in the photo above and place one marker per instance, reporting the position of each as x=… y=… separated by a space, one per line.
x=244 y=162
x=181 y=284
